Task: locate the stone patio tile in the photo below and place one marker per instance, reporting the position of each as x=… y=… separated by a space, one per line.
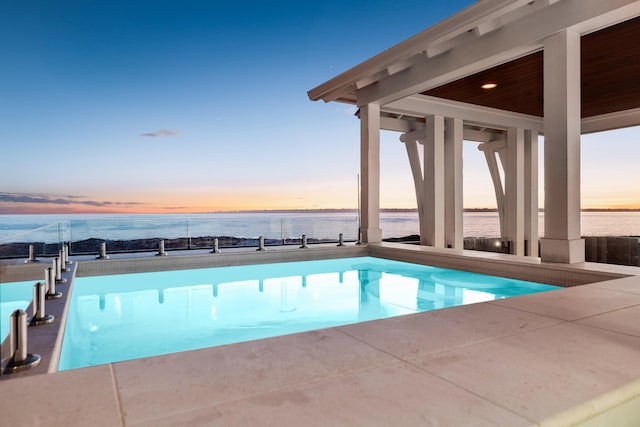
x=396 y=394
x=431 y=332
x=162 y=386
x=624 y=321
x=626 y=284
x=542 y=372
x=82 y=397
x=572 y=303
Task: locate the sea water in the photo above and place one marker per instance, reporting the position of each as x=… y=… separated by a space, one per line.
x=277 y=225
x=121 y=317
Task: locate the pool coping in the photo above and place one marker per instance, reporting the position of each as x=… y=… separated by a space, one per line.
x=619 y=401
x=526 y=268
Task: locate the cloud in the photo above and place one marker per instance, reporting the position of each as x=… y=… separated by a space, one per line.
x=161 y=133
x=59 y=200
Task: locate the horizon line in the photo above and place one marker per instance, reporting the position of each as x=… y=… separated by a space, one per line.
x=355 y=210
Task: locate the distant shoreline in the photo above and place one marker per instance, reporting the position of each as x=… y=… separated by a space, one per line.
x=299 y=211
x=345 y=210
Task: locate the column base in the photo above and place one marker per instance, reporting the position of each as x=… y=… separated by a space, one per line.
x=371 y=235
x=562 y=251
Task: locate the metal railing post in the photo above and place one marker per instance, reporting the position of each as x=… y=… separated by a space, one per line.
x=161 y=251
x=102 y=254
x=63 y=264
x=57 y=264
x=32 y=255
x=21 y=359
x=40 y=317
x=50 y=284
x=216 y=249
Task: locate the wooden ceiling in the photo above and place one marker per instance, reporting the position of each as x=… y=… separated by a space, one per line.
x=610 y=77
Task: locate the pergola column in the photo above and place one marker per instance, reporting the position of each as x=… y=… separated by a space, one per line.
x=517 y=196
x=514 y=190
x=531 y=192
x=411 y=146
x=562 y=242
x=491 y=150
x=453 y=203
x=370 y=173
x=433 y=196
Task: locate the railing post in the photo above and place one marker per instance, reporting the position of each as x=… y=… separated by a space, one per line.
x=50 y=284
x=40 y=317
x=63 y=265
x=103 y=251
x=260 y=243
x=304 y=242
x=216 y=248
x=340 y=240
x=20 y=358
x=58 y=268
x=161 y=251
x=32 y=255
x=67 y=250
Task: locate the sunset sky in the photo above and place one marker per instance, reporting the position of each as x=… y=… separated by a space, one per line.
x=201 y=106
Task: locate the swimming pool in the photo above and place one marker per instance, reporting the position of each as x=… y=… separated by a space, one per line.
x=122 y=317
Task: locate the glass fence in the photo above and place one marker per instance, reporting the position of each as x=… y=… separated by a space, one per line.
x=47 y=241
x=139 y=234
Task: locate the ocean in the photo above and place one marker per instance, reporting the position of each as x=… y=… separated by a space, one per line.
x=271 y=225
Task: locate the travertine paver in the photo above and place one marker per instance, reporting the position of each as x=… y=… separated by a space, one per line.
x=431 y=332
x=82 y=397
x=572 y=303
x=624 y=321
x=395 y=395
x=166 y=385
x=542 y=372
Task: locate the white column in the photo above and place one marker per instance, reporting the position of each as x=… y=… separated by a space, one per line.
x=453 y=208
x=514 y=190
x=562 y=242
x=489 y=150
x=433 y=199
x=370 y=173
x=531 y=192
x=418 y=180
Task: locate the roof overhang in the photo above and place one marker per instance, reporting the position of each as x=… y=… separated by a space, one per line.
x=505 y=37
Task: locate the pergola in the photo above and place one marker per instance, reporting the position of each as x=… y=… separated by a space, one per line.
x=500 y=72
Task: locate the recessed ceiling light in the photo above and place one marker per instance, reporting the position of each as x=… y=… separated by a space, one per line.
x=489 y=86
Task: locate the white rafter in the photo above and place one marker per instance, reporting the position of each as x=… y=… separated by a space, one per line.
x=465 y=20
x=509 y=42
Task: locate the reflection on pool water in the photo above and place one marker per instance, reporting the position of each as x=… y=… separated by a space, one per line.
x=122 y=317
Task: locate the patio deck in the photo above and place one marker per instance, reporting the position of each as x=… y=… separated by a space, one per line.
x=563 y=357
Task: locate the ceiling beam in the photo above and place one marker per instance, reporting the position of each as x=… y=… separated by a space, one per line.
x=405 y=126
x=397 y=125
x=610 y=121
x=421 y=105
x=516 y=39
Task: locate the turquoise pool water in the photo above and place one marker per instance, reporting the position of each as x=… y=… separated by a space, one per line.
x=122 y=317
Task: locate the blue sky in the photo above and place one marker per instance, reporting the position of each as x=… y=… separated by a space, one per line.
x=194 y=106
